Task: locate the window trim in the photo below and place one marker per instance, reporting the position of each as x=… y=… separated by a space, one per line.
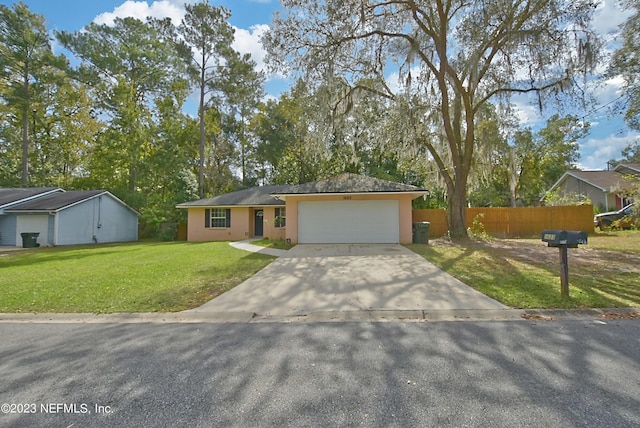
x=210 y=220
x=280 y=217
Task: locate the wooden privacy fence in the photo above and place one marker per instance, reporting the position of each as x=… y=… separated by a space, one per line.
x=514 y=222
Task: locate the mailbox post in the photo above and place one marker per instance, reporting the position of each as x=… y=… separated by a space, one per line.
x=563 y=239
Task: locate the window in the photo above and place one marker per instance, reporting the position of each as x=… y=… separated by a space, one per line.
x=217 y=217
x=281 y=217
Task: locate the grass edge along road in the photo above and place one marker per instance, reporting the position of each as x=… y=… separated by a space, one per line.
x=124 y=277
x=525 y=273
x=174 y=276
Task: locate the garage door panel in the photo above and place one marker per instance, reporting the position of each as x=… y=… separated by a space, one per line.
x=348 y=221
x=33 y=224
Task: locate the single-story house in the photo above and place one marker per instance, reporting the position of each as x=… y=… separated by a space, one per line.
x=348 y=208
x=608 y=189
x=237 y=215
x=65 y=217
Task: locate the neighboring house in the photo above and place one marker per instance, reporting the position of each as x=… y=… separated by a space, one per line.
x=65 y=217
x=607 y=189
x=348 y=208
x=14 y=196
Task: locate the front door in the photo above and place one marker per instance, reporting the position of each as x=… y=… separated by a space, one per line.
x=259 y=228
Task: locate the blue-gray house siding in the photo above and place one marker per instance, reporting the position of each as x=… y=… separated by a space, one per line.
x=10 y=198
x=68 y=218
x=51 y=234
x=99 y=219
x=8 y=230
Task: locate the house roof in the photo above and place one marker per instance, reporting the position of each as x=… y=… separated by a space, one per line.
x=607 y=181
x=57 y=201
x=628 y=168
x=255 y=196
x=350 y=183
x=11 y=196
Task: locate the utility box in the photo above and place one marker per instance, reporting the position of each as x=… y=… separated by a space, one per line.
x=421 y=232
x=30 y=239
x=565 y=238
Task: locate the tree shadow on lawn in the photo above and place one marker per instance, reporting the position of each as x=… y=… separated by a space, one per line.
x=213 y=285
x=427 y=251
x=43 y=256
x=595 y=276
x=40 y=256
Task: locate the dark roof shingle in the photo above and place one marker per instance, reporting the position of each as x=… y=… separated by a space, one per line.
x=350 y=183
x=255 y=196
x=12 y=195
x=628 y=168
x=56 y=201
x=606 y=180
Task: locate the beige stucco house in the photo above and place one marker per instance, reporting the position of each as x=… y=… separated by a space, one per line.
x=348 y=208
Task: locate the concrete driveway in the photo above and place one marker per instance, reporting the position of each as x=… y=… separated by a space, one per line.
x=349 y=277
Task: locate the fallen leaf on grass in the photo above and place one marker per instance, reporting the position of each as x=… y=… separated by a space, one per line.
x=537 y=317
x=621 y=316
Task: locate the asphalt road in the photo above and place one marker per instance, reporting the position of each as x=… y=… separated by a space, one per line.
x=515 y=373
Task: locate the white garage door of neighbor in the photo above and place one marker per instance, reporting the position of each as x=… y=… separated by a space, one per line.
x=32 y=223
x=352 y=222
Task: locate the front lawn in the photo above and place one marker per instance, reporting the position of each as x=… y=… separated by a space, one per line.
x=278 y=244
x=134 y=277
x=525 y=273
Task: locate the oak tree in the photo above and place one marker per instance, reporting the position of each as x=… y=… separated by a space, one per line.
x=450 y=57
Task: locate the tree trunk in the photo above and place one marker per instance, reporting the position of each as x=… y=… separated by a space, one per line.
x=456 y=210
x=25 y=146
x=202 y=141
x=25 y=131
x=243 y=150
x=513 y=180
x=133 y=179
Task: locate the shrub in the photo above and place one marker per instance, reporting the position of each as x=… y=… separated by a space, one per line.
x=477 y=229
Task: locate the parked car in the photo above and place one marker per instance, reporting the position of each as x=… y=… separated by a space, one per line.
x=605 y=220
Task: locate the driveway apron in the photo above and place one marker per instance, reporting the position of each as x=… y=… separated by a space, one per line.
x=348 y=277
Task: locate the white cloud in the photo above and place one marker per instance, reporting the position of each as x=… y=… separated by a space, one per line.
x=608 y=90
x=141 y=10
x=609 y=17
x=393 y=82
x=603 y=149
x=248 y=41
x=527 y=114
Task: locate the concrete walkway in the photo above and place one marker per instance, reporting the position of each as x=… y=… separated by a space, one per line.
x=7 y=249
x=247 y=245
x=349 y=277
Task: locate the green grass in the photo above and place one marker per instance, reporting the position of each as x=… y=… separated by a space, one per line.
x=279 y=244
x=525 y=273
x=136 y=277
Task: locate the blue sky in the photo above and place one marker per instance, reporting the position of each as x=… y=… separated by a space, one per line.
x=251 y=18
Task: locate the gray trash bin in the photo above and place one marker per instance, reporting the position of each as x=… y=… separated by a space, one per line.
x=421 y=232
x=30 y=239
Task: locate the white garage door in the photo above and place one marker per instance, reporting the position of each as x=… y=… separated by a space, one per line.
x=348 y=222
x=32 y=224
